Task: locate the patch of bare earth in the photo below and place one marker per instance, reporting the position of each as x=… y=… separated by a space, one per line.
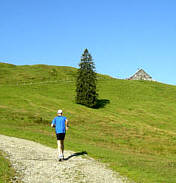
x=36 y=163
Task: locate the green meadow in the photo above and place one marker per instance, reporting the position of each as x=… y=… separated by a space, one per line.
x=6 y=171
x=132 y=130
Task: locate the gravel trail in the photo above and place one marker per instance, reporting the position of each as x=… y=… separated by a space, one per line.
x=37 y=163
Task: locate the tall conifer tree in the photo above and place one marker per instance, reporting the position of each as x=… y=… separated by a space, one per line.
x=86 y=81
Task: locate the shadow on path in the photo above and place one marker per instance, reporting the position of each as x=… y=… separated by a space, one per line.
x=76 y=154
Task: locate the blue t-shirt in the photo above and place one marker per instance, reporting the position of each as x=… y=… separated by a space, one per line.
x=59 y=123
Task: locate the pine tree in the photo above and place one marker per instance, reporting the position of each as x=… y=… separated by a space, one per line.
x=86 y=81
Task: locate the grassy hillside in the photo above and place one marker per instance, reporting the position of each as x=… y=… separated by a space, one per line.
x=6 y=171
x=133 y=130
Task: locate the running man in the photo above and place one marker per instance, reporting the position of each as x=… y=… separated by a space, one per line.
x=60 y=123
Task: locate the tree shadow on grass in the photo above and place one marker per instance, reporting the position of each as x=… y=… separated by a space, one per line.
x=101 y=103
x=76 y=154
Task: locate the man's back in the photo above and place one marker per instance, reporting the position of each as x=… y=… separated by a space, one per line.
x=59 y=123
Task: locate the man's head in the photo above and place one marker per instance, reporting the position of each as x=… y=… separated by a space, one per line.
x=59 y=112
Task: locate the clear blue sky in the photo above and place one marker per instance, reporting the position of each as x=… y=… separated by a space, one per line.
x=121 y=35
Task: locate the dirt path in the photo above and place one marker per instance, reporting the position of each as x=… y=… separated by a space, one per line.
x=38 y=164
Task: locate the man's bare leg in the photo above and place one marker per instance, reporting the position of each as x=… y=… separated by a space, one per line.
x=60 y=148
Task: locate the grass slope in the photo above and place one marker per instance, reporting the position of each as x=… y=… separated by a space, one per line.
x=133 y=130
x=6 y=171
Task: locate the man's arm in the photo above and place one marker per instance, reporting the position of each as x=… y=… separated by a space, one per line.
x=53 y=123
x=66 y=124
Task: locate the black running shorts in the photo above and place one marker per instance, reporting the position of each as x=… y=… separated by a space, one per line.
x=60 y=136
